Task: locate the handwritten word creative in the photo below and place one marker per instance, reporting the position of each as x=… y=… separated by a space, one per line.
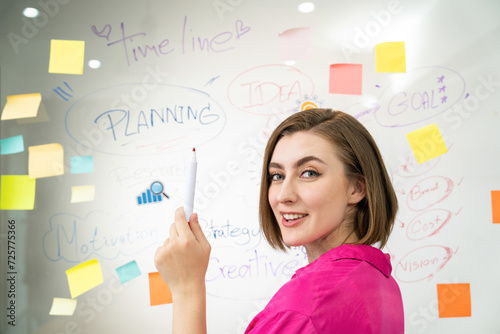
x=136 y=47
x=156 y=124
x=73 y=239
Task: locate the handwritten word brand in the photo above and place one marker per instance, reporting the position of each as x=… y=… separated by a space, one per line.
x=135 y=49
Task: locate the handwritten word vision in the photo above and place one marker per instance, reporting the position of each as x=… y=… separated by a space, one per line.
x=136 y=47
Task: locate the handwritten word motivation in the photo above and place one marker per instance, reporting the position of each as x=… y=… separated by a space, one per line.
x=75 y=239
x=136 y=47
x=155 y=124
x=258 y=89
x=426 y=93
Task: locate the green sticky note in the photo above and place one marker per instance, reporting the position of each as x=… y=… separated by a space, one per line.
x=128 y=271
x=390 y=57
x=11 y=145
x=17 y=192
x=82 y=164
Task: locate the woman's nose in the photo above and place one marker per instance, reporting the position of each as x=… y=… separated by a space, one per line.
x=287 y=192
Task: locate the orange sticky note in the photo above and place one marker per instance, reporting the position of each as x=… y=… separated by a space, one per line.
x=159 y=292
x=454 y=300
x=426 y=143
x=21 y=106
x=495 y=206
x=346 y=79
x=46 y=160
x=295 y=44
x=390 y=57
x=66 y=57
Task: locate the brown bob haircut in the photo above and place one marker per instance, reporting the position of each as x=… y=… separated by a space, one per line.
x=374 y=216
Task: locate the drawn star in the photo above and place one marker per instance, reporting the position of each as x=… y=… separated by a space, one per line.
x=443 y=99
x=440 y=79
x=442 y=89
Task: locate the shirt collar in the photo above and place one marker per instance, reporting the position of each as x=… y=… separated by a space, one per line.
x=372 y=255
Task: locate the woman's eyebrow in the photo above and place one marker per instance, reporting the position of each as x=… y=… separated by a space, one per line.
x=298 y=163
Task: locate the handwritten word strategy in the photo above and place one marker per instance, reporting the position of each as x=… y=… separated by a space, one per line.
x=135 y=49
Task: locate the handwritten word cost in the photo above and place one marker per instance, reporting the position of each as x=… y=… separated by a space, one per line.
x=136 y=49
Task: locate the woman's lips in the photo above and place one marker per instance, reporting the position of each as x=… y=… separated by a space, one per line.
x=292 y=222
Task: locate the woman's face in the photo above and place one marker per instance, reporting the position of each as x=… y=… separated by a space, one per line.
x=309 y=192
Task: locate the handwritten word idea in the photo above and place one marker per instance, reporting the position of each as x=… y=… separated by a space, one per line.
x=258 y=89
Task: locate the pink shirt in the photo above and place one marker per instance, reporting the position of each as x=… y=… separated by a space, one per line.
x=349 y=289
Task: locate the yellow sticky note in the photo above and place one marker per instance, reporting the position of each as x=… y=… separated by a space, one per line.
x=82 y=193
x=21 y=106
x=84 y=277
x=46 y=160
x=66 y=56
x=63 y=306
x=426 y=143
x=390 y=57
x=17 y=192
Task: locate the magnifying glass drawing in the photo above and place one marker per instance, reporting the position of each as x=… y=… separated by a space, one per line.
x=157 y=188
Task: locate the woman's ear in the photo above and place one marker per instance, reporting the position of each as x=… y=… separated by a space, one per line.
x=358 y=190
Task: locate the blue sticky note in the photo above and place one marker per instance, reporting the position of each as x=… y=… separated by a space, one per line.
x=82 y=164
x=128 y=271
x=12 y=145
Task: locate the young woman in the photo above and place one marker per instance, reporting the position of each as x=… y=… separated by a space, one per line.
x=325 y=187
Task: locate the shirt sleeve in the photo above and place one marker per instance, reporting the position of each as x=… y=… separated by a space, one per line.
x=290 y=322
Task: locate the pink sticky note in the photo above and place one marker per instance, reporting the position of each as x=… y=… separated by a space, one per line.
x=295 y=44
x=346 y=79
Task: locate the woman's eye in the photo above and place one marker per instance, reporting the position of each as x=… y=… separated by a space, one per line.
x=310 y=173
x=276 y=177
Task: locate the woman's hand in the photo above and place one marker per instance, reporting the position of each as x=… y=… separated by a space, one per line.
x=183 y=259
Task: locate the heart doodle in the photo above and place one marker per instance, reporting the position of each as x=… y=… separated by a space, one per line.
x=240 y=29
x=105 y=32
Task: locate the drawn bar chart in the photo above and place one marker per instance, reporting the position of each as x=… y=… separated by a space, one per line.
x=148 y=197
